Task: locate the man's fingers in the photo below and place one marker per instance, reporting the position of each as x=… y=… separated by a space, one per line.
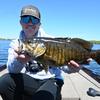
x=73 y=63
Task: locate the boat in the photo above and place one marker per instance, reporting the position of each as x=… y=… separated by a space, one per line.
x=76 y=85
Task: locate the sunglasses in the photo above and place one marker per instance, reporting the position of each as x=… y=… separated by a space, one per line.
x=27 y=19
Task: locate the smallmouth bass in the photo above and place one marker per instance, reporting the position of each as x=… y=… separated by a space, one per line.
x=59 y=51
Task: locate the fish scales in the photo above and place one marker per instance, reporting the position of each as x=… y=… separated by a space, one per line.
x=55 y=54
x=61 y=53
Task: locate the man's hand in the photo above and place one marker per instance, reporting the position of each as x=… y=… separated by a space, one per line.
x=89 y=59
x=73 y=66
x=24 y=58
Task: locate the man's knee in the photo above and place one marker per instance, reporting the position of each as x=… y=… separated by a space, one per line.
x=5 y=82
x=43 y=95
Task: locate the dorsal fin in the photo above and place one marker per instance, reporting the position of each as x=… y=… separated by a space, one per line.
x=84 y=43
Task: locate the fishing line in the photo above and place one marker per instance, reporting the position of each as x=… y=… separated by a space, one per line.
x=87 y=78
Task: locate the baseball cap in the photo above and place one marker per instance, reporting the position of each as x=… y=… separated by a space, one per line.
x=30 y=10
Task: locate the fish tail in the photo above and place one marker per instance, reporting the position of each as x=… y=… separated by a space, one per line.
x=95 y=54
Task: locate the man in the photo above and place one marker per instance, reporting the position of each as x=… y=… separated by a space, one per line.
x=26 y=78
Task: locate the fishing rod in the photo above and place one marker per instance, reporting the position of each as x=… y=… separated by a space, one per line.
x=91 y=91
x=88 y=79
x=80 y=69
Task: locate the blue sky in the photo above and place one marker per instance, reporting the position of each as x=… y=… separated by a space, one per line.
x=61 y=18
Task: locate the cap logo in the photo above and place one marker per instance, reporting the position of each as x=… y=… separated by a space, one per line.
x=30 y=10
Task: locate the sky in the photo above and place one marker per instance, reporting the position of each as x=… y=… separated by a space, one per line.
x=59 y=18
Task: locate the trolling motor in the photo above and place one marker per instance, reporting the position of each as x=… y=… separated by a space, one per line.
x=92 y=92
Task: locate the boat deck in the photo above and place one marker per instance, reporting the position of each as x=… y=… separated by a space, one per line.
x=76 y=86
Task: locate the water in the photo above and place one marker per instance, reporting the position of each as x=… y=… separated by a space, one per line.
x=96 y=46
x=4 y=45
x=93 y=65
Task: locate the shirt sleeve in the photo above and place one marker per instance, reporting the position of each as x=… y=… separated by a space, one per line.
x=13 y=65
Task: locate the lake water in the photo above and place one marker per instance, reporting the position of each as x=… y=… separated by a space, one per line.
x=4 y=45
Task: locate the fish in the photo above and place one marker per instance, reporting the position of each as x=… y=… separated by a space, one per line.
x=58 y=52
